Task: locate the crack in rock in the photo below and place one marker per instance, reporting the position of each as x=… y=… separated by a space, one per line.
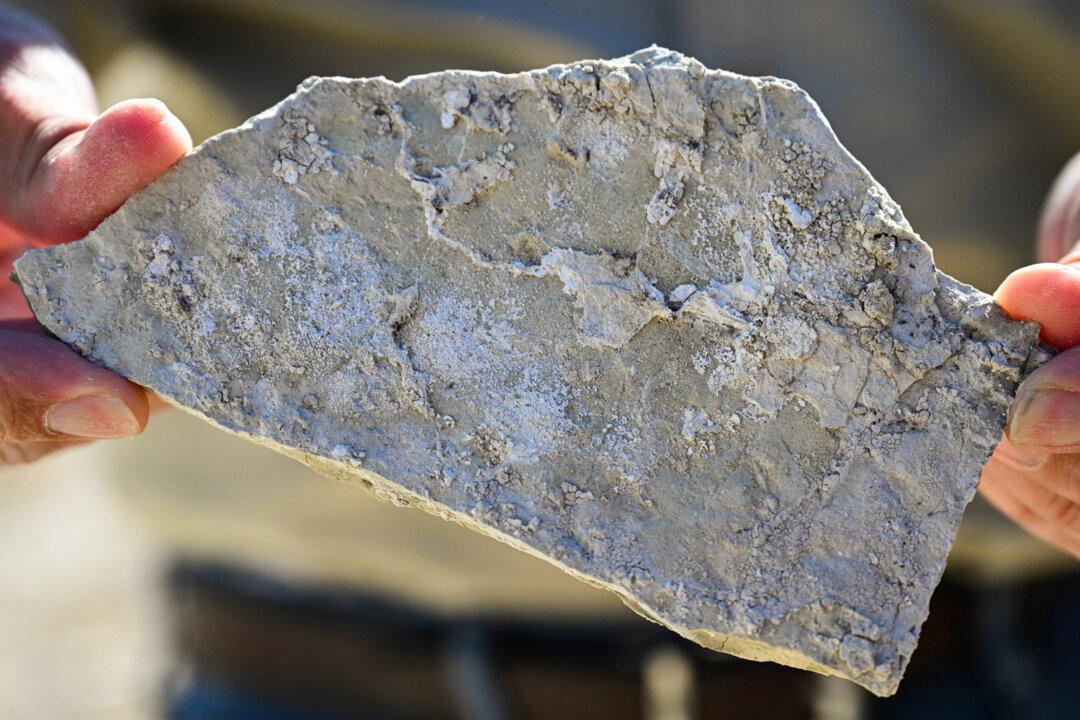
x=647 y=321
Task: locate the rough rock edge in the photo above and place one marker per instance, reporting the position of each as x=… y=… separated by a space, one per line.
x=732 y=644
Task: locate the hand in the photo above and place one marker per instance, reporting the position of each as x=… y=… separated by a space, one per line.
x=1034 y=475
x=63 y=168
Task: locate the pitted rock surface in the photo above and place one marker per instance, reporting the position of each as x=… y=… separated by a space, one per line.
x=648 y=321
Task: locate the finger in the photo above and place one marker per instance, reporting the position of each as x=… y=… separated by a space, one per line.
x=1049 y=294
x=998 y=491
x=1057 y=472
x=1046 y=410
x=89 y=173
x=61 y=170
x=1051 y=508
x=49 y=393
x=1059 y=229
x=1045 y=502
x=45 y=95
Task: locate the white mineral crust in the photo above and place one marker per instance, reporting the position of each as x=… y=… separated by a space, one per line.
x=648 y=321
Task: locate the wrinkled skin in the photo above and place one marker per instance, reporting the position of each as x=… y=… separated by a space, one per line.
x=1034 y=475
x=63 y=168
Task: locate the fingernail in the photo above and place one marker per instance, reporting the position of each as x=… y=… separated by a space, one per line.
x=92 y=416
x=1045 y=417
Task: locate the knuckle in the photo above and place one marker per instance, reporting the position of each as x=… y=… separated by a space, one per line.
x=18 y=421
x=1061 y=474
x=21 y=418
x=9 y=431
x=1064 y=513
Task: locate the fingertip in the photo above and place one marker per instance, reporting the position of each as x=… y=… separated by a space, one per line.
x=139 y=110
x=92 y=416
x=89 y=175
x=1046 y=411
x=136 y=399
x=49 y=392
x=129 y=145
x=146 y=122
x=1049 y=294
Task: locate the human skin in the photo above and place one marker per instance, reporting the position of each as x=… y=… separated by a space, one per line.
x=63 y=168
x=1034 y=474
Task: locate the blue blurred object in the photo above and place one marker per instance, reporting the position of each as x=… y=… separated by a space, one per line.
x=208 y=699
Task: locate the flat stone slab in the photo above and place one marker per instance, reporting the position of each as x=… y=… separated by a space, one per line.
x=647 y=321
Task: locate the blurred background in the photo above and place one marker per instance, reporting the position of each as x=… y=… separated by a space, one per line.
x=190 y=575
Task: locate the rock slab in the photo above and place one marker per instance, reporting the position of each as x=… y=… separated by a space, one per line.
x=648 y=321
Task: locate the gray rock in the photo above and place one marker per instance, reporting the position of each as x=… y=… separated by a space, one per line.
x=648 y=321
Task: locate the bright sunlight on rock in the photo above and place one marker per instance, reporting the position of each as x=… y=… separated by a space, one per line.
x=648 y=321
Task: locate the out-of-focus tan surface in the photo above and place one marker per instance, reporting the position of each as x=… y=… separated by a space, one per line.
x=949 y=102
x=83 y=633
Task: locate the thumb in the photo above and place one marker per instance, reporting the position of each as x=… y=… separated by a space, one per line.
x=48 y=393
x=1049 y=294
x=86 y=175
x=63 y=168
x=1046 y=411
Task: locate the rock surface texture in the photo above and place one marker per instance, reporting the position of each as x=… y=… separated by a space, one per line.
x=649 y=321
